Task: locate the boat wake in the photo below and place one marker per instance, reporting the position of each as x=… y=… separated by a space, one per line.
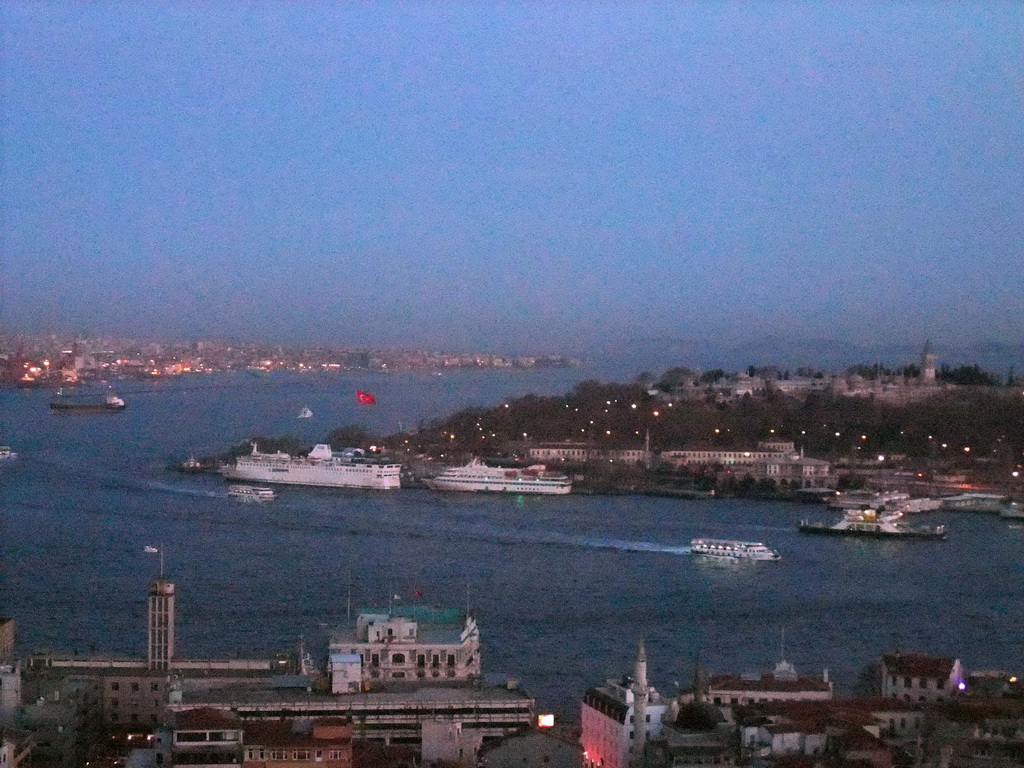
x=554 y=539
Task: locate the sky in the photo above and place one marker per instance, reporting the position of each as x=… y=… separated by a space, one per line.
x=538 y=176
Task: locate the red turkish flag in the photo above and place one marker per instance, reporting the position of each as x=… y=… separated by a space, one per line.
x=365 y=398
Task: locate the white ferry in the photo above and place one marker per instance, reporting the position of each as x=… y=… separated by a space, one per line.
x=723 y=549
x=477 y=476
x=251 y=493
x=6 y=454
x=351 y=468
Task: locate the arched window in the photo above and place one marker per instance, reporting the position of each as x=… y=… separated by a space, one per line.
x=398 y=658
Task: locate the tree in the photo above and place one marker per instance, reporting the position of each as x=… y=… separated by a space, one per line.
x=350 y=436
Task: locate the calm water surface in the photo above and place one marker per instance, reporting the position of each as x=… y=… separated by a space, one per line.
x=561 y=586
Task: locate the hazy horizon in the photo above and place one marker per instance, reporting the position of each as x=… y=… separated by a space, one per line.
x=524 y=177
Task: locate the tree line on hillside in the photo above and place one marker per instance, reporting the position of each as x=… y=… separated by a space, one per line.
x=961 y=426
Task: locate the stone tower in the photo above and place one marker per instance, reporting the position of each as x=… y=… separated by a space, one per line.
x=641 y=694
x=927 y=364
x=161 y=623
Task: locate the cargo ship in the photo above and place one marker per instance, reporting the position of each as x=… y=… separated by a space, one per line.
x=87 y=403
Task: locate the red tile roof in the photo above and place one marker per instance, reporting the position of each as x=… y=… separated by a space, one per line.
x=205 y=719
x=768 y=682
x=918 y=665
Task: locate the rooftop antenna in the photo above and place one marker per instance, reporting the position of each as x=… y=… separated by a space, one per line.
x=782 y=645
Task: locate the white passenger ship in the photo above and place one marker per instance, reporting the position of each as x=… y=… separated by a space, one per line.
x=350 y=468
x=477 y=476
x=724 y=549
x=251 y=493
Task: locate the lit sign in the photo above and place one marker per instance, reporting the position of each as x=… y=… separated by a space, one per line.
x=545 y=721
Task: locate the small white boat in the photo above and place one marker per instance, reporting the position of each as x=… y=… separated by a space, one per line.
x=724 y=549
x=6 y=454
x=251 y=493
x=305 y=413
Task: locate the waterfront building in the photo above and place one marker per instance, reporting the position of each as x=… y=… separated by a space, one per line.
x=802 y=471
x=920 y=677
x=618 y=718
x=709 y=456
x=571 y=452
x=414 y=643
x=399 y=715
x=132 y=692
x=784 y=684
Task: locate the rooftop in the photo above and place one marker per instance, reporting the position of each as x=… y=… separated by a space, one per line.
x=768 y=682
x=396 y=694
x=918 y=665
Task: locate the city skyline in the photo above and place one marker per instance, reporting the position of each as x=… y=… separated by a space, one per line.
x=505 y=177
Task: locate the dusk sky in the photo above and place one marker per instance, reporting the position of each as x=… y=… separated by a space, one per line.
x=514 y=175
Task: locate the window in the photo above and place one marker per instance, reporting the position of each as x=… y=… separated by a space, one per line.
x=135 y=686
x=278 y=754
x=375 y=660
x=398 y=658
x=114 y=702
x=398 y=675
x=451 y=659
x=421 y=660
x=154 y=687
x=335 y=754
x=301 y=754
x=115 y=686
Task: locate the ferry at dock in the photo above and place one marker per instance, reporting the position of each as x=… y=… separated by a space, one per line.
x=725 y=549
x=350 y=468
x=477 y=476
x=872 y=524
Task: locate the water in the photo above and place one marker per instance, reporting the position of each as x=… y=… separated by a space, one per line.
x=562 y=586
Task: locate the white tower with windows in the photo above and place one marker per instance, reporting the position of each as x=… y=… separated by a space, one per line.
x=161 y=623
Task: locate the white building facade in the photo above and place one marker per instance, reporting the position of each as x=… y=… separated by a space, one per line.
x=423 y=645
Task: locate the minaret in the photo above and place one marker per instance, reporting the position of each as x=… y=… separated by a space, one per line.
x=641 y=692
x=927 y=364
x=161 y=623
